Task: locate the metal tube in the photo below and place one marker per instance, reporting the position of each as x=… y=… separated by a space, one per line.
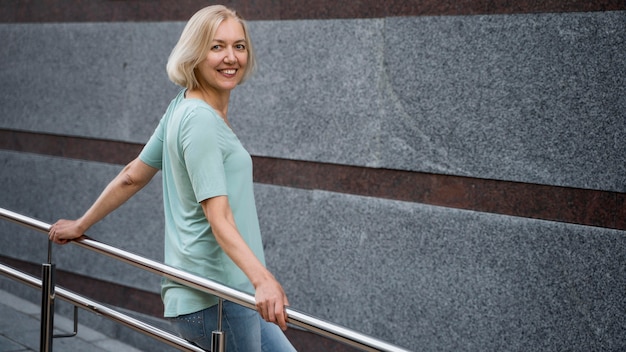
x=218 y=341
x=333 y=331
x=220 y=306
x=75 y=332
x=327 y=329
x=99 y=309
x=47 y=308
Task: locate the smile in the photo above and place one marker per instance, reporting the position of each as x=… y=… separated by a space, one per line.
x=229 y=71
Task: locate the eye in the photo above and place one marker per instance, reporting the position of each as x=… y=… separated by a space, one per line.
x=240 y=46
x=216 y=47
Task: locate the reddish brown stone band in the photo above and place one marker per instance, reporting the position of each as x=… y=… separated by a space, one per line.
x=164 y=10
x=563 y=204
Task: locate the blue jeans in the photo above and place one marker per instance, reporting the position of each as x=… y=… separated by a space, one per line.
x=245 y=330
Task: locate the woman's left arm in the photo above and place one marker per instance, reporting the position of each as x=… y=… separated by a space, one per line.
x=269 y=294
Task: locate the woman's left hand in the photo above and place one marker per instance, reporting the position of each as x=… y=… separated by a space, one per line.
x=271 y=302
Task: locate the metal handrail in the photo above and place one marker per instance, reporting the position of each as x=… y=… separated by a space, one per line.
x=107 y=312
x=307 y=322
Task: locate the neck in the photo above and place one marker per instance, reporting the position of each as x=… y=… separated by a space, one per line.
x=217 y=100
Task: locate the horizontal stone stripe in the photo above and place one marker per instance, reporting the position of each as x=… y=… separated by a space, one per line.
x=161 y=10
x=571 y=205
x=112 y=152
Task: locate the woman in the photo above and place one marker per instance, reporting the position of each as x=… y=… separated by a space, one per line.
x=211 y=224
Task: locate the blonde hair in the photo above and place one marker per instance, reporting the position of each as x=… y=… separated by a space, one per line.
x=194 y=43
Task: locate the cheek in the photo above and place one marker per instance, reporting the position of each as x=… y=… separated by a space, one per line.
x=212 y=61
x=243 y=58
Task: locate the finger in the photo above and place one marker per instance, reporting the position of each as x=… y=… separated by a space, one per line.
x=281 y=318
x=285 y=315
x=261 y=309
x=271 y=314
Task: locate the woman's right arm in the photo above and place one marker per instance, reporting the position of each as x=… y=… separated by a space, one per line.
x=129 y=181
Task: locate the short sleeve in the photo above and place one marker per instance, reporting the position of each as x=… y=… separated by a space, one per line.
x=201 y=143
x=152 y=152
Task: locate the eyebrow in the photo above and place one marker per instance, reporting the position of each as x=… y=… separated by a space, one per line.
x=236 y=41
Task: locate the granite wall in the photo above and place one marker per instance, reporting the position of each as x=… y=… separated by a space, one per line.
x=515 y=98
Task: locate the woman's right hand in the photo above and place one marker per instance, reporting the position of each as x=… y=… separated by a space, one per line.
x=63 y=231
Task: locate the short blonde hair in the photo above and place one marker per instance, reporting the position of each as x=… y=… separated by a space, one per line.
x=194 y=42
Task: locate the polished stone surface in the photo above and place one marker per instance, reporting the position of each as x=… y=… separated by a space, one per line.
x=412 y=274
x=53 y=188
x=571 y=205
x=533 y=98
x=438 y=279
x=95 y=80
x=537 y=99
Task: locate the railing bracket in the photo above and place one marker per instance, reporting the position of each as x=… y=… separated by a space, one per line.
x=75 y=332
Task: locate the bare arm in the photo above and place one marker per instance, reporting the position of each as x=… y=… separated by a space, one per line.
x=269 y=294
x=129 y=181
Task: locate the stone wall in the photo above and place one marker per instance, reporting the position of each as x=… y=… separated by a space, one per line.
x=537 y=99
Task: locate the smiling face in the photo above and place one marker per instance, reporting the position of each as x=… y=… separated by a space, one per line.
x=226 y=60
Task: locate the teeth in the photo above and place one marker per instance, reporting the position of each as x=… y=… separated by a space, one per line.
x=229 y=72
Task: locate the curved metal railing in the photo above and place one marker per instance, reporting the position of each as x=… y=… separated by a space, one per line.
x=307 y=322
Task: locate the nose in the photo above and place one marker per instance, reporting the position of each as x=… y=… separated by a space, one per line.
x=230 y=57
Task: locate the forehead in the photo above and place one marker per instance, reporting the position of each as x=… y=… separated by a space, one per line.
x=230 y=30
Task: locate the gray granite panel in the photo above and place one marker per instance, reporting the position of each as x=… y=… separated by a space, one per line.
x=316 y=95
x=48 y=188
x=533 y=98
x=424 y=277
x=86 y=79
x=439 y=279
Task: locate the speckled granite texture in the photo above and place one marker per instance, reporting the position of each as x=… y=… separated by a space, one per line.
x=423 y=277
x=535 y=98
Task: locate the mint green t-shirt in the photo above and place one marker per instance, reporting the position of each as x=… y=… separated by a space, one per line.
x=200 y=157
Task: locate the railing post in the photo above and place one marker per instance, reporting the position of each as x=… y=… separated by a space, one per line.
x=218 y=343
x=47 y=303
x=47 y=307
